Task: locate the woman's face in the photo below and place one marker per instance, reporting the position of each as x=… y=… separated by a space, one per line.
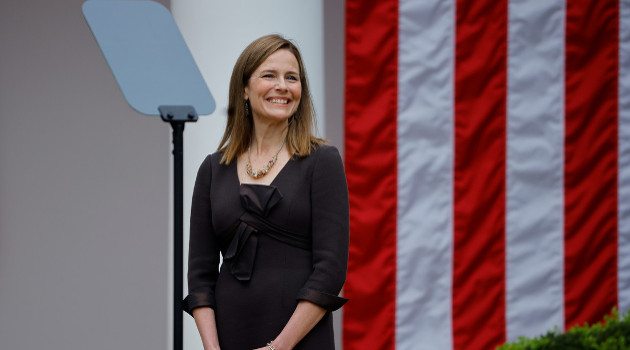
x=274 y=89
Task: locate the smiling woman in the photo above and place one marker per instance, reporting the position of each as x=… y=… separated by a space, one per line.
x=282 y=230
x=273 y=94
x=274 y=90
x=239 y=129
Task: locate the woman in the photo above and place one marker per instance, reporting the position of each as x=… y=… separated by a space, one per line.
x=273 y=201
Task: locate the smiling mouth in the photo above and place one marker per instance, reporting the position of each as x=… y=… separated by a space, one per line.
x=279 y=100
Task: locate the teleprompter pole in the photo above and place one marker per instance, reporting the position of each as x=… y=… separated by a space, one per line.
x=178 y=229
x=140 y=39
x=177 y=116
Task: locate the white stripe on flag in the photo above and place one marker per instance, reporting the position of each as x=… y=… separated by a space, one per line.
x=535 y=165
x=425 y=180
x=623 y=200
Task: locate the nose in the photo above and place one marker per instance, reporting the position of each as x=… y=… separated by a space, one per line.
x=281 y=84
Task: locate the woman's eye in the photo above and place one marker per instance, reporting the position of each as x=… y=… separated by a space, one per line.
x=291 y=77
x=268 y=76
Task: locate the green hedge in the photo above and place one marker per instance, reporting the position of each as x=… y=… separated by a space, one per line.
x=613 y=333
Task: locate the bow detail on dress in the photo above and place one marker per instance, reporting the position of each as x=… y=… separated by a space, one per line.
x=242 y=251
x=258 y=200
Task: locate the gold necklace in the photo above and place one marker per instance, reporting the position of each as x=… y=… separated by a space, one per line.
x=262 y=172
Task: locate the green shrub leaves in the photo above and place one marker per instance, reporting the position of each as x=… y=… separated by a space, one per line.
x=612 y=334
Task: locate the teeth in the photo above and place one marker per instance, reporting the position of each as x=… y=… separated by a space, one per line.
x=278 y=100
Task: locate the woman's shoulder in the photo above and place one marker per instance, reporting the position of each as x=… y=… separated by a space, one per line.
x=325 y=152
x=215 y=157
x=212 y=161
x=327 y=166
x=322 y=156
x=318 y=149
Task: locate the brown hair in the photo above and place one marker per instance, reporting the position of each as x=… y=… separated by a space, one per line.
x=240 y=126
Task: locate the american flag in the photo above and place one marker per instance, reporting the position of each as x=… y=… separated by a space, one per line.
x=488 y=161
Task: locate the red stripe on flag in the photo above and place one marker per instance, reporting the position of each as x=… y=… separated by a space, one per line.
x=479 y=174
x=592 y=28
x=371 y=170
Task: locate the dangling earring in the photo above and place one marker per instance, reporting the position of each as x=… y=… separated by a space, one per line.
x=246 y=108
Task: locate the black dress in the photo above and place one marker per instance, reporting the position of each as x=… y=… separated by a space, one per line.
x=280 y=244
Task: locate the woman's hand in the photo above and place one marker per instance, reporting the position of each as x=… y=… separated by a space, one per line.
x=274 y=346
x=304 y=318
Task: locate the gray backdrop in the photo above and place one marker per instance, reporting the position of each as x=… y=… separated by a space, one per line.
x=84 y=192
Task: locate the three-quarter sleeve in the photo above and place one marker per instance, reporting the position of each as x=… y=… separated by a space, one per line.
x=330 y=231
x=203 y=253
